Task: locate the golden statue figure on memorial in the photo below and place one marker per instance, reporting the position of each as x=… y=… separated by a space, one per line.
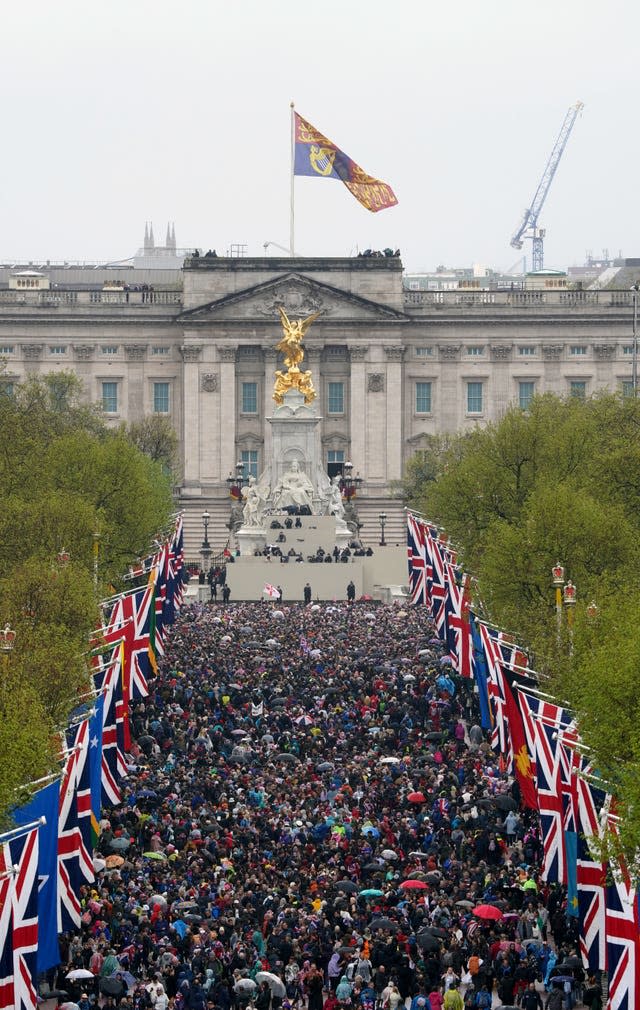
x=293 y=330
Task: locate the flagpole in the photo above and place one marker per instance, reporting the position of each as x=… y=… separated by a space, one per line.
x=291 y=195
x=24 y=829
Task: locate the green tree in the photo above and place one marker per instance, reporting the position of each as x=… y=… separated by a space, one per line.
x=560 y=482
x=155 y=436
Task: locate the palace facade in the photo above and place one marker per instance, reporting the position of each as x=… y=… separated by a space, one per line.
x=390 y=365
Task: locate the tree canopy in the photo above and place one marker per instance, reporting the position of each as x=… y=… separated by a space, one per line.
x=557 y=483
x=67 y=481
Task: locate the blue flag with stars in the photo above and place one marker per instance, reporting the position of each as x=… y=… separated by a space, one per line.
x=95 y=765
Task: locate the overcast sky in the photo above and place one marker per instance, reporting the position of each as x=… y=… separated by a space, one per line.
x=137 y=110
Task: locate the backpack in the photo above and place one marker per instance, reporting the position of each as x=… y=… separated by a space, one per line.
x=484 y=999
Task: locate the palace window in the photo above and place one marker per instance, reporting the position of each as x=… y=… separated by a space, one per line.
x=578 y=389
x=627 y=388
x=527 y=350
x=58 y=349
x=335 y=462
x=423 y=397
x=475 y=351
x=109 y=349
x=7 y=350
x=335 y=397
x=474 y=398
x=424 y=352
x=249 y=459
x=159 y=349
x=161 y=398
x=526 y=391
x=249 y=397
x=578 y=349
x=110 y=397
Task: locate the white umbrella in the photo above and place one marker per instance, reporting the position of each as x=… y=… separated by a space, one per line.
x=78 y=973
x=275 y=983
x=389 y=854
x=245 y=983
x=390 y=761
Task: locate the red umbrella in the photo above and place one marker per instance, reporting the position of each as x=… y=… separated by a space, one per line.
x=487 y=912
x=417 y=885
x=417 y=798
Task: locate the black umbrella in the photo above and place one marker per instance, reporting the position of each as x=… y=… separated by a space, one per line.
x=384 y=923
x=286 y=756
x=348 y=886
x=433 y=931
x=505 y=802
x=278 y=702
x=427 y=942
x=110 y=986
x=192 y=918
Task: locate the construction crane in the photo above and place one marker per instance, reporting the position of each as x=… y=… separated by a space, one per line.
x=529 y=227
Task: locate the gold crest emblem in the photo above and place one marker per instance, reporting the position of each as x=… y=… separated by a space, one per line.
x=322 y=159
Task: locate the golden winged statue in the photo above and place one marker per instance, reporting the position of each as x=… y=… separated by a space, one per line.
x=293 y=330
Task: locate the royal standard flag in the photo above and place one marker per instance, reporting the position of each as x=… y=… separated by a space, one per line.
x=316 y=155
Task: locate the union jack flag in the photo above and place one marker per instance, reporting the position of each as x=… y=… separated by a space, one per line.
x=19 y=922
x=74 y=857
x=113 y=762
x=129 y=622
x=24 y=855
x=623 y=942
x=6 y=938
x=543 y=720
x=436 y=557
x=458 y=623
x=419 y=572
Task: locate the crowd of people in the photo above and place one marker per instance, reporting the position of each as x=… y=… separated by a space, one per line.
x=314 y=818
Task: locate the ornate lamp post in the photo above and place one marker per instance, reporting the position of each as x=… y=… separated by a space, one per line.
x=382 y=518
x=205 y=549
x=349 y=484
x=557 y=574
x=7 y=642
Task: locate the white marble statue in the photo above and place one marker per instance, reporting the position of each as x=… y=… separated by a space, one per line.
x=294 y=489
x=255 y=503
x=335 y=506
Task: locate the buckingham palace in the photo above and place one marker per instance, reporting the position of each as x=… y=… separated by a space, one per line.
x=390 y=365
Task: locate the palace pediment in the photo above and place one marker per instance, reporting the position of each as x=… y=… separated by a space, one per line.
x=299 y=296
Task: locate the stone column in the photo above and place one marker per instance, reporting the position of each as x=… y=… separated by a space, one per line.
x=32 y=353
x=209 y=410
x=451 y=408
x=357 y=409
x=135 y=355
x=500 y=393
x=191 y=413
x=604 y=355
x=270 y=362
x=553 y=381
x=394 y=355
x=83 y=368
x=228 y=460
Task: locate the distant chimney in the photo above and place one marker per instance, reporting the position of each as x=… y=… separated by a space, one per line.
x=146 y=237
x=152 y=243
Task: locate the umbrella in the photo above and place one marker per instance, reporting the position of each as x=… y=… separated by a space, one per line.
x=419 y=855
x=79 y=973
x=275 y=983
x=185 y=904
x=348 y=886
x=417 y=798
x=324 y=766
x=127 y=977
x=110 y=986
x=112 y=862
x=389 y=854
x=278 y=702
x=192 y=918
x=487 y=912
x=146 y=794
x=561 y=979
x=155 y=855
x=287 y=756
x=120 y=844
x=383 y=923
x=55 y=994
x=505 y=802
x=157 y=899
x=390 y=760
x=506 y=945
x=371 y=892
x=69 y=1006
x=464 y=904
x=414 y=885
x=245 y=983
x=238 y=732
x=427 y=942
x=433 y=877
